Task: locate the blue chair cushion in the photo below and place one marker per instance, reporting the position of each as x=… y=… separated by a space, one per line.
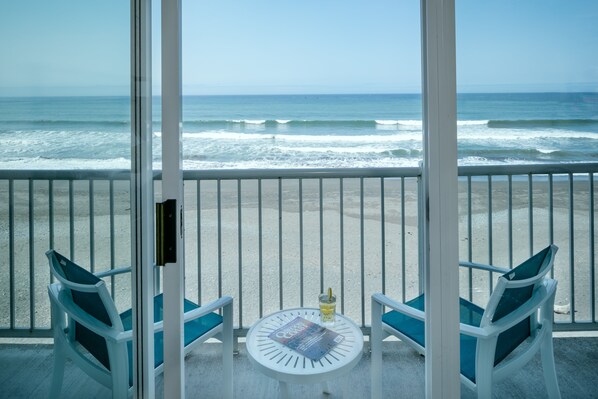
x=91 y=303
x=511 y=299
x=414 y=329
x=193 y=329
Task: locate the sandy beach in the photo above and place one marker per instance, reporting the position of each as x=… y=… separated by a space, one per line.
x=300 y=237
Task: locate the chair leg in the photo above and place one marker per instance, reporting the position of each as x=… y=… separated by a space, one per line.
x=227 y=351
x=548 y=367
x=376 y=347
x=119 y=370
x=484 y=367
x=58 y=373
x=484 y=391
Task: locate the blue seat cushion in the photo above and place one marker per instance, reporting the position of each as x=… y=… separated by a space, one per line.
x=193 y=329
x=415 y=330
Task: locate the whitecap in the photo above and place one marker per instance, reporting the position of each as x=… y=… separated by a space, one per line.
x=546 y=150
x=472 y=123
x=224 y=135
x=410 y=122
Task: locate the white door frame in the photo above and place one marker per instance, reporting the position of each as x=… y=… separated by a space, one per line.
x=142 y=200
x=172 y=188
x=441 y=250
x=440 y=185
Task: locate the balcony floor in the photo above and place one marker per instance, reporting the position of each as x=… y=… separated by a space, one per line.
x=26 y=372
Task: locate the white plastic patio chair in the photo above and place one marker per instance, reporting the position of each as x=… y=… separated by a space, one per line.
x=88 y=329
x=519 y=315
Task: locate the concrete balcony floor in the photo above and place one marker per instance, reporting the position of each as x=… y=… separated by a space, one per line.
x=26 y=372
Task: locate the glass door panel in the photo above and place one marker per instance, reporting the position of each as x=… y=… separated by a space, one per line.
x=65 y=153
x=65 y=132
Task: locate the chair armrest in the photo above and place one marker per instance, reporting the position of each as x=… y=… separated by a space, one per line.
x=419 y=315
x=208 y=308
x=480 y=266
x=399 y=307
x=113 y=272
x=473 y=331
x=120 y=270
x=199 y=312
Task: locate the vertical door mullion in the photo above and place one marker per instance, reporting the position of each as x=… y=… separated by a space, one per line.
x=142 y=200
x=441 y=256
x=172 y=187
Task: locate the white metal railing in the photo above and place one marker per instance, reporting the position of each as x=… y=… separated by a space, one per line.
x=276 y=238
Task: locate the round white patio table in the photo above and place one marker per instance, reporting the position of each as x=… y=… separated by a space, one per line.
x=285 y=365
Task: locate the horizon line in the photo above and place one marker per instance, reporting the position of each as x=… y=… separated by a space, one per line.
x=305 y=94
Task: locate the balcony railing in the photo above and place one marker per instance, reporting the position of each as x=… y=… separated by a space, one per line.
x=276 y=238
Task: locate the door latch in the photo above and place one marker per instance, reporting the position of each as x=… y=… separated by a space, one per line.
x=166 y=232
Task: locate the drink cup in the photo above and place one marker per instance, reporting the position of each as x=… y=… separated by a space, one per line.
x=327 y=309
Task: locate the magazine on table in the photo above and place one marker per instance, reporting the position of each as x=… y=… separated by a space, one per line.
x=309 y=339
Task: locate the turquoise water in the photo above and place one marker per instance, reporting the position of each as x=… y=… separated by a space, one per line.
x=300 y=130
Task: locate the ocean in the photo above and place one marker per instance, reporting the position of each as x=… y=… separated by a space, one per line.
x=300 y=131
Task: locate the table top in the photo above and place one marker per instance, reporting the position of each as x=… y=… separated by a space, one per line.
x=284 y=364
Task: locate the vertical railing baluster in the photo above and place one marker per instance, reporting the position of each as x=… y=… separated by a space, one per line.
x=490 y=235
x=469 y=239
x=199 y=253
x=280 y=279
x=403 y=246
x=571 y=248
x=490 y=243
x=551 y=214
x=530 y=211
x=301 y=272
x=321 y=195
x=383 y=235
x=219 y=202
x=112 y=232
x=240 y=250
x=362 y=246
x=51 y=221
x=421 y=236
x=342 y=241
x=591 y=251
x=31 y=258
x=11 y=250
x=71 y=220
x=260 y=248
x=510 y=216
x=91 y=227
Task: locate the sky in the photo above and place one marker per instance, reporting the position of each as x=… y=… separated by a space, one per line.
x=73 y=47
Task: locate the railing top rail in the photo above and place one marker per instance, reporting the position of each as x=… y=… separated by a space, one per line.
x=211 y=174
x=303 y=173
x=524 y=169
x=307 y=173
x=65 y=174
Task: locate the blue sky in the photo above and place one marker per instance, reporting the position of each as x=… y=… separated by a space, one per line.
x=309 y=46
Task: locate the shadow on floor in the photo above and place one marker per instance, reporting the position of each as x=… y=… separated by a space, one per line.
x=26 y=372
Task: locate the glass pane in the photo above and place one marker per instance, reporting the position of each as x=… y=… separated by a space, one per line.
x=528 y=95
x=301 y=85
x=64 y=148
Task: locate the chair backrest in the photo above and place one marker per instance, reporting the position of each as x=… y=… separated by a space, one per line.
x=513 y=289
x=90 y=294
